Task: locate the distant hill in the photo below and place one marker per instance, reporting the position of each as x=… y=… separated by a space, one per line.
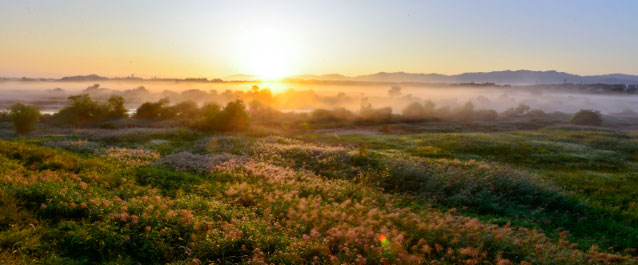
x=322 y=77
x=519 y=77
x=240 y=77
x=91 y=77
x=508 y=77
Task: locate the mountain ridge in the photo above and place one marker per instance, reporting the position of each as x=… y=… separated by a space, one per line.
x=505 y=77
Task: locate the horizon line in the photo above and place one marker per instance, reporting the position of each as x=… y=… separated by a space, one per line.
x=132 y=76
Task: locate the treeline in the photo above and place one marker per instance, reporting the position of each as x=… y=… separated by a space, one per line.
x=83 y=111
x=414 y=112
x=209 y=117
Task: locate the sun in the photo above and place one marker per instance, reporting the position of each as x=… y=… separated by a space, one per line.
x=265 y=53
x=268 y=60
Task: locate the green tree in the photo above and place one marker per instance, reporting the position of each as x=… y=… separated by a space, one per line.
x=25 y=118
x=116 y=109
x=233 y=117
x=186 y=110
x=155 y=110
x=82 y=110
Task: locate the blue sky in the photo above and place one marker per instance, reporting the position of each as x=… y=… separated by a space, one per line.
x=217 y=38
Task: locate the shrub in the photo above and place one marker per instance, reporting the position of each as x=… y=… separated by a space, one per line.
x=414 y=112
x=4 y=116
x=485 y=115
x=232 y=118
x=518 y=111
x=376 y=115
x=24 y=117
x=587 y=117
x=210 y=110
x=116 y=109
x=466 y=112
x=369 y=114
x=82 y=110
x=186 y=110
x=155 y=111
x=339 y=114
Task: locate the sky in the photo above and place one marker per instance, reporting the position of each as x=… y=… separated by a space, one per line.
x=43 y=38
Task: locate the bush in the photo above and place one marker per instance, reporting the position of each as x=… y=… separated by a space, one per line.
x=186 y=110
x=24 y=118
x=518 y=111
x=233 y=117
x=82 y=110
x=369 y=114
x=4 y=116
x=116 y=109
x=485 y=115
x=339 y=114
x=414 y=112
x=587 y=117
x=155 y=111
x=376 y=115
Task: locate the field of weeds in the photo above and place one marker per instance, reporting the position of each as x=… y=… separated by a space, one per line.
x=157 y=196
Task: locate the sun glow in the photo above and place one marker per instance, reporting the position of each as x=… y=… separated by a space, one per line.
x=267 y=54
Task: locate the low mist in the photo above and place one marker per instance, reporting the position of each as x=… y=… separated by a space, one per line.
x=51 y=96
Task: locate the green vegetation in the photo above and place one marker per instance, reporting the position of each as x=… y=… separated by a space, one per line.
x=587 y=117
x=159 y=110
x=25 y=118
x=594 y=169
x=178 y=196
x=234 y=117
x=190 y=194
x=83 y=111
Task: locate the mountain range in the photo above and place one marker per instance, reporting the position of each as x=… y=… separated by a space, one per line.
x=519 y=77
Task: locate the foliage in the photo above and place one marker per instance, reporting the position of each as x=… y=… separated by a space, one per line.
x=448 y=198
x=186 y=110
x=593 y=168
x=233 y=117
x=414 y=112
x=587 y=117
x=159 y=110
x=116 y=109
x=25 y=118
x=339 y=114
x=82 y=110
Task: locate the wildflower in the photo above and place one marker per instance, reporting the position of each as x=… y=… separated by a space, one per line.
x=124 y=217
x=504 y=262
x=360 y=260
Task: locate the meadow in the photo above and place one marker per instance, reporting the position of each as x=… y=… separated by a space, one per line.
x=559 y=195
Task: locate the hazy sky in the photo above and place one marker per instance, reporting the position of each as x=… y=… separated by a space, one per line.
x=219 y=38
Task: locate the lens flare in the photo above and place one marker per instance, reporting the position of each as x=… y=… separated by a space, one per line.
x=384 y=240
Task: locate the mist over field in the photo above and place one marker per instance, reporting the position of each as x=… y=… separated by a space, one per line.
x=51 y=96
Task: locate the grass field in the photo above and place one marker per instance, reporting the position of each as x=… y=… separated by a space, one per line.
x=550 y=196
